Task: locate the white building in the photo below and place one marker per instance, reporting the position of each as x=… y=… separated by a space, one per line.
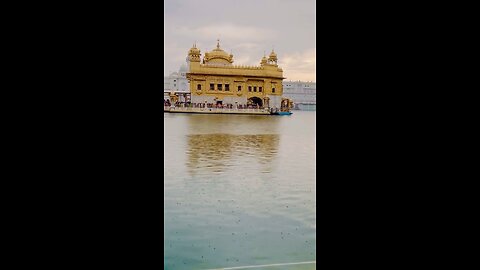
x=303 y=94
x=177 y=81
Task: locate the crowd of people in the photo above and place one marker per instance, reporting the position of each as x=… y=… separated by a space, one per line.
x=167 y=103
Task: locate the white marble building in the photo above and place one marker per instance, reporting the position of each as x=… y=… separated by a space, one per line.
x=300 y=92
x=303 y=94
x=177 y=81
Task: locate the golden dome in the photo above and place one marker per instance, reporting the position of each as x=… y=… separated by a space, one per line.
x=194 y=54
x=194 y=50
x=218 y=55
x=264 y=60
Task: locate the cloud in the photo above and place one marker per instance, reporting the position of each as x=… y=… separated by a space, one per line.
x=243 y=60
x=227 y=31
x=299 y=65
x=247 y=46
x=247 y=30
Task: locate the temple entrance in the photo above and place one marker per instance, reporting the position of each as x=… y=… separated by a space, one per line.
x=255 y=101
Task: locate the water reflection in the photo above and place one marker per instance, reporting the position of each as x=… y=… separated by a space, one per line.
x=233 y=124
x=218 y=152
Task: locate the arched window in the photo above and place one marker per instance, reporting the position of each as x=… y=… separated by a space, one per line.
x=199 y=87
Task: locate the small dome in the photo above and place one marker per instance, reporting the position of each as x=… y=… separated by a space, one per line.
x=193 y=54
x=194 y=49
x=264 y=60
x=273 y=56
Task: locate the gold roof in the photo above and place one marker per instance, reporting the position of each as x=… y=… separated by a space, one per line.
x=219 y=54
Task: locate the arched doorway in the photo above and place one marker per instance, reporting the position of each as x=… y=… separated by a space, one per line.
x=255 y=101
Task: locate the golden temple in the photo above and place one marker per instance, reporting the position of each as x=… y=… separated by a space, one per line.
x=215 y=80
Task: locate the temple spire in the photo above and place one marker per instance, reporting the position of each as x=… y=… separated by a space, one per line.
x=218 y=43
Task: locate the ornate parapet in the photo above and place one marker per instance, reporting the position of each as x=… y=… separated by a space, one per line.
x=210 y=65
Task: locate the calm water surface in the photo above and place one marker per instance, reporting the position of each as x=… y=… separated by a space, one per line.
x=239 y=191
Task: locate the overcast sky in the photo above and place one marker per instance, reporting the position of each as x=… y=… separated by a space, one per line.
x=246 y=28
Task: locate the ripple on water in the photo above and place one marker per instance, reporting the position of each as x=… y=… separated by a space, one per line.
x=228 y=182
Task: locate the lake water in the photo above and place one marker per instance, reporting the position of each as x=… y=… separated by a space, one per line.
x=239 y=191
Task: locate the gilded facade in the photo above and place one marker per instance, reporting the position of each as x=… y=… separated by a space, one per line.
x=214 y=79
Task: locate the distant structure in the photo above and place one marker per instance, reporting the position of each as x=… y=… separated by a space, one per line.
x=214 y=79
x=303 y=94
x=177 y=81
